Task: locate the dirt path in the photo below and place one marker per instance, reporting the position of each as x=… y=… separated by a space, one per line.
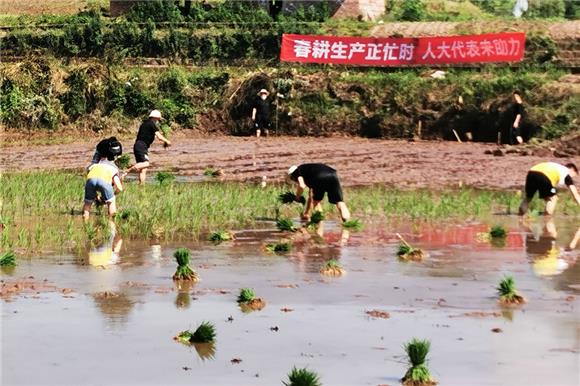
x=359 y=161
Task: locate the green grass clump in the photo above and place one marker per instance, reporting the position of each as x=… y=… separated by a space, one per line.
x=332 y=268
x=281 y=247
x=508 y=293
x=205 y=333
x=354 y=224
x=219 y=236
x=418 y=372
x=286 y=225
x=184 y=272
x=302 y=377
x=211 y=172
x=8 y=259
x=164 y=177
x=498 y=232
x=246 y=295
x=123 y=161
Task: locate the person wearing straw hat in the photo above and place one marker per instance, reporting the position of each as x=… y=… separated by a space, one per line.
x=261 y=113
x=148 y=131
x=320 y=179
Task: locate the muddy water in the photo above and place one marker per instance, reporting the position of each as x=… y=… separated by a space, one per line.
x=108 y=317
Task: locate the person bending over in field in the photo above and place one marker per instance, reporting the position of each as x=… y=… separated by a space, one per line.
x=148 y=131
x=103 y=178
x=102 y=148
x=545 y=178
x=320 y=179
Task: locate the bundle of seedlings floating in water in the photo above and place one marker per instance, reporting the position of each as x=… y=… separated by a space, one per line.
x=164 y=178
x=211 y=172
x=507 y=292
x=407 y=252
x=418 y=372
x=184 y=272
x=302 y=377
x=220 y=236
x=8 y=259
x=249 y=302
x=285 y=225
x=281 y=247
x=205 y=333
x=332 y=268
x=123 y=161
x=354 y=224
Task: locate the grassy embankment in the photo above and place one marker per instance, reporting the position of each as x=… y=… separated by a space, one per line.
x=97 y=91
x=42 y=209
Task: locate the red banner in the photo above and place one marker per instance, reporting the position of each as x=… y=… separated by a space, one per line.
x=500 y=47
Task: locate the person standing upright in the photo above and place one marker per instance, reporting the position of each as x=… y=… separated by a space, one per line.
x=261 y=113
x=517 y=111
x=148 y=131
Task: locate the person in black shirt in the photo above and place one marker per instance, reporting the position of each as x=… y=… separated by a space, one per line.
x=261 y=113
x=516 y=122
x=148 y=131
x=320 y=179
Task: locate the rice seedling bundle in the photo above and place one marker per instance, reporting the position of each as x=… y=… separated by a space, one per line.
x=281 y=247
x=332 y=268
x=418 y=373
x=302 y=377
x=205 y=333
x=286 y=225
x=354 y=224
x=508 y=293
x=184 y=272
x=220 y=236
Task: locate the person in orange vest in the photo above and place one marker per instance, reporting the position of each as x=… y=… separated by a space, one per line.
x=545 y=178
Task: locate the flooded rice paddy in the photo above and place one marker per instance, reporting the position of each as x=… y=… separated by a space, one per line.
x=107 y=316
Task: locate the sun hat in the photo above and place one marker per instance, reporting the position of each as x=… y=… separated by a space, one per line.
x=155 y=114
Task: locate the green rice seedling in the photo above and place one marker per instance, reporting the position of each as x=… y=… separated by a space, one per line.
x=184 y=272
x=246 y=295
x=354 y=224
x=211 y=172
x=498 y=232
x=286 y=225
x=164 y=177
x=332 y=268
x=302 y=377
x=8 y=259
x=407 y=252
x=249 y=302
x=281 y=247
x=127 y=213
x=123 y=161
x=205 y=333
x=219 y=236
x=287 y=198
x=418 y=372
x=316 y=218
x=508 y=293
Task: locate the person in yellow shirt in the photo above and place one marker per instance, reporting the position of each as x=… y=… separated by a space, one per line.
x=104 y=178
x=545 y=178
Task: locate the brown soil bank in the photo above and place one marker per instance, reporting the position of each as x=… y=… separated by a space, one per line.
x=359 y=161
